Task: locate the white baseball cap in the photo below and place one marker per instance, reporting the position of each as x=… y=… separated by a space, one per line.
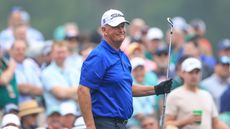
x=137 y=61
x=10 y=119
x=79 y=123
x=68 y=108
x=154 y=33
x=113 y=18
x=190 y=64
x=10 y=127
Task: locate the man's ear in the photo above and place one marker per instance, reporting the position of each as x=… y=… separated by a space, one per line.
x=103 y=30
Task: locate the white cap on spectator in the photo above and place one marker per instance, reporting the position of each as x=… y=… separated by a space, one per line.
x=47 y=47
x=113 y=18
x=180 y=23
x=79 y=123
x=68 y=108
x=137 y=61
x=154 y=33
x=10 y=107
x=52 y=110
x=10 y=127
x=190 y=64
x=10 y=119
x=35 y=50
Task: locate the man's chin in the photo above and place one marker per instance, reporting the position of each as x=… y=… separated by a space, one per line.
x=194 y=84
x=120 y=41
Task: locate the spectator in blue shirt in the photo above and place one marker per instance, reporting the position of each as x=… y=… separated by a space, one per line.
x=105 y=92
x=56 y=78
x=27 y=73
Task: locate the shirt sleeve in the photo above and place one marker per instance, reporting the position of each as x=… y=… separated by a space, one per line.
x=214 y=109
x=171 y=105
x=92 y=71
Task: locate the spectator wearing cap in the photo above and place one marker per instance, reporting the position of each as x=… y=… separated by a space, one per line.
x=74 y=58
x=177 y=76
x=149 y=122
x=54 y=118
x=10 y=121
x=11 y=108
x=180 y=23
x=224 y=48
x=28 y=112
x=192 y=48
x=142 y=106
x=73 y=37
x=35 y=53
x=153 y=40
x=135 y=33
x=135 y=29
x=136 y=49
x=27 y=72
x=61 y=31
x=18 y=16
x=199 y=29
x=218 y=82
x=69 y=115
x=177 y=44
x=46 y=54
x=182 y=101
x=161 y=60
x=59 y=88
x=8 y=85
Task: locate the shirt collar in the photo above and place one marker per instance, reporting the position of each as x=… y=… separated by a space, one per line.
x=108 y=47
x=220 y=80
x=56 y=66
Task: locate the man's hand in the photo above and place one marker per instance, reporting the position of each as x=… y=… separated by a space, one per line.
x=180 y=123
x=163 y=87
x=191 y=119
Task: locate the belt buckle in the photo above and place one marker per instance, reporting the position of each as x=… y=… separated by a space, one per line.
x=122 y=121
x=125 y=122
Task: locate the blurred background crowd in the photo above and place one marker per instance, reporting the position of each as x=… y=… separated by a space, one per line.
x=39 y=77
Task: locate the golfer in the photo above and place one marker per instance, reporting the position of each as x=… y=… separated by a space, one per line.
x=105 y=92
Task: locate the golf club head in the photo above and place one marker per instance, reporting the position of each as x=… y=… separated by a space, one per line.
x=170 y=22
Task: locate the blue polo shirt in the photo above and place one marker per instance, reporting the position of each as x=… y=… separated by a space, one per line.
x=107 y=72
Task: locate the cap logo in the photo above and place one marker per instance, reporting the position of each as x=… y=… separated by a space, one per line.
x=116 y=15
x=104 y=20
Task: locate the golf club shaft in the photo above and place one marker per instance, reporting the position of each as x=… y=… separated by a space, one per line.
x=167 y=74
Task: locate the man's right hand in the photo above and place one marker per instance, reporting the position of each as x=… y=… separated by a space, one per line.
x=191 y=119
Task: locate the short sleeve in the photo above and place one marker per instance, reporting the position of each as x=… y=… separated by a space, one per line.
x=214 y=109
x=171 y=105
x=92 y=71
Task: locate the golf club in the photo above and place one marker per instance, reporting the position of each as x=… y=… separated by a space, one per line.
x=167 y=74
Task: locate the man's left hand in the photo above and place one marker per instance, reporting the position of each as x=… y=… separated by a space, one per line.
x=163 y=87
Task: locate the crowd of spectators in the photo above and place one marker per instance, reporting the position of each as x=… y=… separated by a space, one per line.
x=39 y=77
